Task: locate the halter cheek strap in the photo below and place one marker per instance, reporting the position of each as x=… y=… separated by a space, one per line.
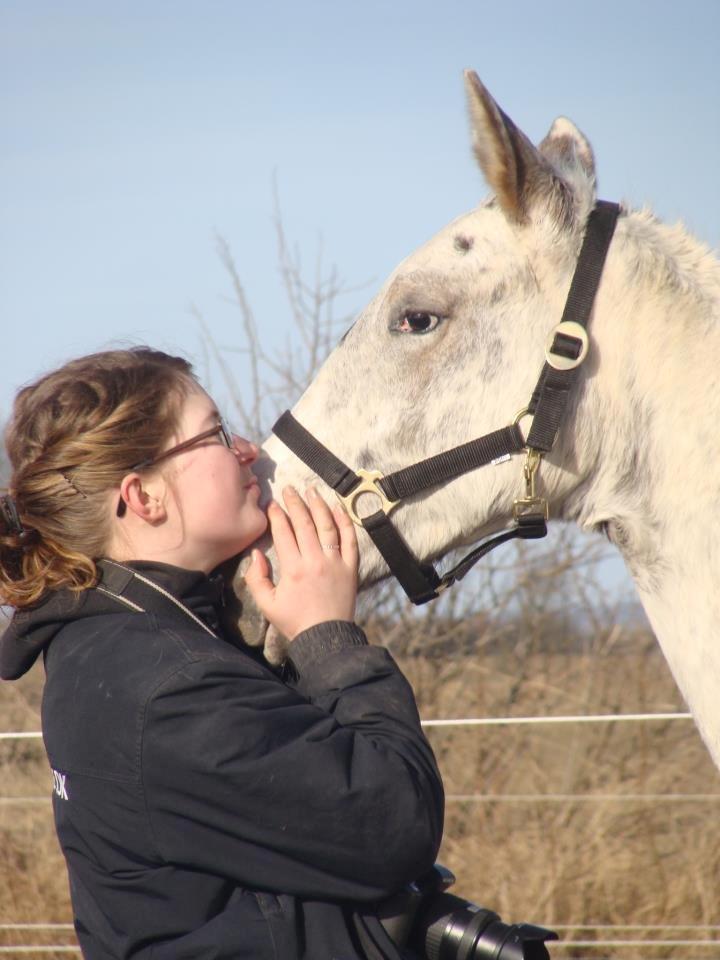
x=569 y=340
x=566 y=349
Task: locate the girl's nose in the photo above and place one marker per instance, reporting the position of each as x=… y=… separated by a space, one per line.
x=245 y=451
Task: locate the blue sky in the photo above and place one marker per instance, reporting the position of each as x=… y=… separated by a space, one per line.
x=132 y=133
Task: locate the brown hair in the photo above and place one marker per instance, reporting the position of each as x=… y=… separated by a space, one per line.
x=72 y=437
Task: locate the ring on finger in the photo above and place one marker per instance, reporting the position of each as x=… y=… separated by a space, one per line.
x=330 y=546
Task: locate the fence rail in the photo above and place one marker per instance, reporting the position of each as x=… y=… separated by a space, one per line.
x=582 y=718
x=558 y=944
x=476 y=722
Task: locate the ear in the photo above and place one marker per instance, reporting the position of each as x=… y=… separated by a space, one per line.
x=522 y=177
x=512 y=166
x=142 y=501
x=569 y=151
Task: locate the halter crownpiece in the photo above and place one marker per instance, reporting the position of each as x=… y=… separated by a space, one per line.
x=566 y=349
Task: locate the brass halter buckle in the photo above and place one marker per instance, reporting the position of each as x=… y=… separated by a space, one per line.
x=530 y=503
x=369 y=484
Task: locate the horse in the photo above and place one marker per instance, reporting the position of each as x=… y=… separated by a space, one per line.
x=449 y=349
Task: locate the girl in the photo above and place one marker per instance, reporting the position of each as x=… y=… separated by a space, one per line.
x=207 y=805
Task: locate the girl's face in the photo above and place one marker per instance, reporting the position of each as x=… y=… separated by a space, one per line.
x=212 y=496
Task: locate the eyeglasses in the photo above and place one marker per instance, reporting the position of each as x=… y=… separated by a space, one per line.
x=222 y=430
x=227 y=436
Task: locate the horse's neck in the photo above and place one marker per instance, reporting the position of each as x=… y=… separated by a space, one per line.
x=655 y=486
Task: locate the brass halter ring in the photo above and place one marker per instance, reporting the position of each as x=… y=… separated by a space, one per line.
x=520 y=415
x=369 y=484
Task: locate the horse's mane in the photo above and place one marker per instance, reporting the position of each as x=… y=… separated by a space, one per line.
x=667 y=258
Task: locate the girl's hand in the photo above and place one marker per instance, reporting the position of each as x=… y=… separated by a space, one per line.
x=318 y=555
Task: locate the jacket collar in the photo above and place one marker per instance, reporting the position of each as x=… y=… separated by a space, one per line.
x=30 y=632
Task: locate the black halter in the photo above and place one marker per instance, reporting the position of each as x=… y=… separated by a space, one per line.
x=566 y=349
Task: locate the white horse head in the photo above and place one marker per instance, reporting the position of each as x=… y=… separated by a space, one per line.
x=450 y=349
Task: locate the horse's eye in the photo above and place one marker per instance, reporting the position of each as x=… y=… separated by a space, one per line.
x=418 y=322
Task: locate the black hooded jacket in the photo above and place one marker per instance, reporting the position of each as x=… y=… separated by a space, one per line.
x=208 y=807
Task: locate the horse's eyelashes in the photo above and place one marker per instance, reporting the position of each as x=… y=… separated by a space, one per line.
x=418 y=321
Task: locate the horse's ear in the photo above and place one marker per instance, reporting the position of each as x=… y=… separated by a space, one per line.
x=568 y=149
x=513 y=167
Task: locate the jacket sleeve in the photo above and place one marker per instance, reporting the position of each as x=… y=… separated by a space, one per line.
x=324 y=789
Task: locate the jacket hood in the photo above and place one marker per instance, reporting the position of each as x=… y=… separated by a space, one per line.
x=30 y=632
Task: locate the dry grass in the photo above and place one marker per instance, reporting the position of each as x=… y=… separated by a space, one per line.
x=33 y=882
x=594 y=834
x=575 y=825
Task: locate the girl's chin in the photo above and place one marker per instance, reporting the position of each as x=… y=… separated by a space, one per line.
x=255 y=531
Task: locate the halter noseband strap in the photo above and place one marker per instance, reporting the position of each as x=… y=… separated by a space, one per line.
x=419 y=580
x=566 y=350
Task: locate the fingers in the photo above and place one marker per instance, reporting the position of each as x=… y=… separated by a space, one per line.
x=317 y=554
x=312 y=529
x=348 y=537
x=282 y=533
x=327 y=531
x=303 y=521
x=313 y=524
x=257 y=578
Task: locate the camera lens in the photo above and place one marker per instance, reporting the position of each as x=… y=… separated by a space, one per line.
x=455 y=929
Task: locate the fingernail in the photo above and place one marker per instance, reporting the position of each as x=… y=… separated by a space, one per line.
x=312 y=492
x=291 y=490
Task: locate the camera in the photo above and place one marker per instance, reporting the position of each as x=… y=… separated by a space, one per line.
x=435 y=925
